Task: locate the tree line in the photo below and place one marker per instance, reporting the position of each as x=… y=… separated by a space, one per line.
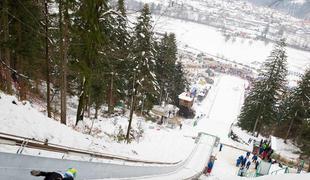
x=273 y=108
x=87 y=49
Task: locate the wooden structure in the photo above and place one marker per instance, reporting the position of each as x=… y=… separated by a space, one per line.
x=186 y=100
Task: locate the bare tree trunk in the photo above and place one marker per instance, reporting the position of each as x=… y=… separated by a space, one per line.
x=92 y=125
x=96 y=112
x=81 y=109
x=63 y=26
x=111 y=106
x=259 y=130
x=132 y=105
x=48 y=98
x=257 y=121
x=289 y=130
x=87 y=105
x=8 y=86
x=19 y=64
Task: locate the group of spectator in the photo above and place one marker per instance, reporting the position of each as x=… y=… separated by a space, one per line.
x=265 y=151
x=244 y=163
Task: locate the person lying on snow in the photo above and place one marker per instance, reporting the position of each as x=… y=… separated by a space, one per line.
x=70 y=174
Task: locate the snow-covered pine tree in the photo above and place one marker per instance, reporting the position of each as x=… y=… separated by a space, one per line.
x=171 y=75
x=119 y=56
x=179 y=83
x=144 y=60
x=295 y=108
x=259 y=112
x=165 y=63
x=299 y=114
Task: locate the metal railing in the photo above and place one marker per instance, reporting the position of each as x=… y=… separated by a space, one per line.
x=286 y=170
x=25 y=142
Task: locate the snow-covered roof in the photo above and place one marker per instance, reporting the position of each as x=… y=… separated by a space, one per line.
x=164 y=110
x=186 y=97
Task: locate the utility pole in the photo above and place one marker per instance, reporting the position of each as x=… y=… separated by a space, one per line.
x=132 y=104
x=48 y=98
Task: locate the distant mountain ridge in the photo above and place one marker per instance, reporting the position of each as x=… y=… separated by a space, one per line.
x=297 y=8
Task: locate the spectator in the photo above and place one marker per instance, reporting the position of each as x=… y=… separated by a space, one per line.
x=241 y=171
x=243 y=162
x=256 y=164
x=254 y=158
x=239 y=160
x=221 y=146
x=248 y=164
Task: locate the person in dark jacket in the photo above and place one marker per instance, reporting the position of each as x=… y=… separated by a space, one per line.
x=239 y=160
x=243 y=162
x=70 y=174
x=248 y=164
x=221 y=146
x=210 y=166
x=256 y=165
x=248 y=154
x=254 y=158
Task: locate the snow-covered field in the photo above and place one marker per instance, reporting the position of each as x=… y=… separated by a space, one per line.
x=209 y=40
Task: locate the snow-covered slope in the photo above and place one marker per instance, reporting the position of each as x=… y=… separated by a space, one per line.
x=20 y=118
x=158 y=143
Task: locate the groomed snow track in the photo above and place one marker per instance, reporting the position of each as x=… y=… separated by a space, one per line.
x=18 y=166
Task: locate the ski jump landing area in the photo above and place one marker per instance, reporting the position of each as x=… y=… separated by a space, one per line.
x=18 y=166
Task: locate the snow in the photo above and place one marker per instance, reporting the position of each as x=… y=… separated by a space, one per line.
x=217 y=112
x=228 y=95
x=269 y=177
x=185 y=97
x=226 y=160
x=157 y=144
x=207 y=39
x=299 y=1
x=287 y=150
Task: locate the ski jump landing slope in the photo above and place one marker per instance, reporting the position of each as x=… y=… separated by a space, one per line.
x=18 y=166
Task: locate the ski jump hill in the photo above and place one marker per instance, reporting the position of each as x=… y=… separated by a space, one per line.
x=18 y=166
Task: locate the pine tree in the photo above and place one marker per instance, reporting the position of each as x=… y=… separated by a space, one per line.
x=179 y=83
x=144 y=59
x=47 y=60
x=117 y=54
x=25 y=43
x=298 y=114
x=259 y=112
x=89 y=34
x=170 y=76
x=64 y=21
x=144 y=82
x=5 y=80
